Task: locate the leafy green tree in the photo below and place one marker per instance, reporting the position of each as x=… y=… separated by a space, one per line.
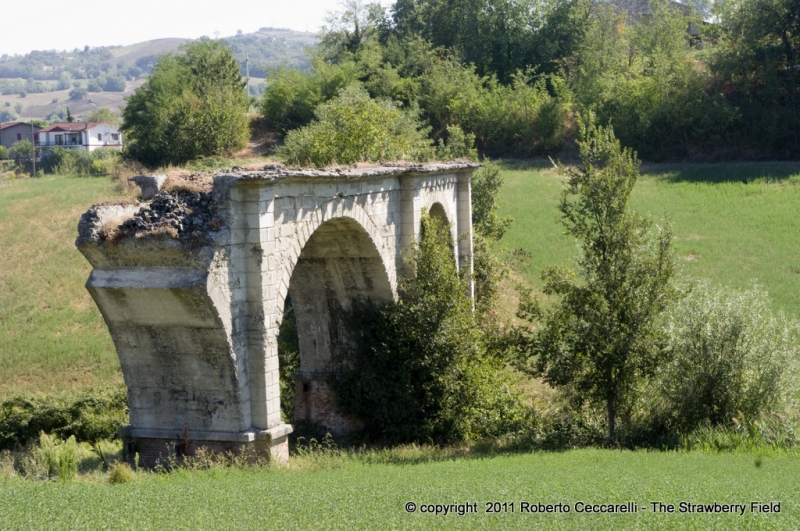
x=114 y=84
x=103 y=114
x=602 y=337
x=21 y=150
x=356 y=128
x=3 y=153
x=192 y=106
x=78 y=93
x=346 y=30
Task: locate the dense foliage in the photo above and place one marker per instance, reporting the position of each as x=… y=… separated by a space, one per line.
x=356 y=128
x=418 y=369
x=67 y=161
x=515 y=72
x=89 y=417
x=192 y=106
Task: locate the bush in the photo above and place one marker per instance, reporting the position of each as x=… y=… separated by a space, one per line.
x=732 y=357
x=89 y=417
x=356 y=128
x=78 y=93
x=53 y=457
x=70 y=161
x=121 y=473
x=3 y=153
x=418 y=370
x=21 y=150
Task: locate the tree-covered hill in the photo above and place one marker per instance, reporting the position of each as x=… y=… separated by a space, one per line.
x=48 y=70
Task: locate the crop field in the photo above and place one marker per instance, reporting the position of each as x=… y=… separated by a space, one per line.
x=351 y=494
x=732 y=223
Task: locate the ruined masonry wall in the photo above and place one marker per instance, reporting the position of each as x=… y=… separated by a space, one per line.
x=195 y=320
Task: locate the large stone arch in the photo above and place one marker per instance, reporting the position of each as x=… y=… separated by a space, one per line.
x=339 y=261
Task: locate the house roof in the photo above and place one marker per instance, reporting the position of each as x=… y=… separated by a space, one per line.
x=11 y=124
x=71 y=127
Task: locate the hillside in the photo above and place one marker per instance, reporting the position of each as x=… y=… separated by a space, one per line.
x=43 y=105
x=46 y=77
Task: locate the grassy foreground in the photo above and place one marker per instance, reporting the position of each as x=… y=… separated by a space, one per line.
x=348 y=494
x=52 y=337
x=733 y=223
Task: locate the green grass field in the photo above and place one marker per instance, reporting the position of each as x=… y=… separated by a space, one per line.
x=733 y=223
x=355 y=495
x=52 y=337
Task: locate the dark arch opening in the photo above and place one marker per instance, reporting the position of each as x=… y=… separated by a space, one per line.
x=338 y=264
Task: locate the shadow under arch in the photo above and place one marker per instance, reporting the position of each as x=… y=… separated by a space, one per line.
x=338 y=264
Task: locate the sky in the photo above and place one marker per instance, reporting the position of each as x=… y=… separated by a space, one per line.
x=64 y=25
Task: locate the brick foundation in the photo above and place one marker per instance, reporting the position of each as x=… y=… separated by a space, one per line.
x=315 y=403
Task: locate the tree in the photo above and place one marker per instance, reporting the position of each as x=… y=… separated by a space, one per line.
x=418 y=369
x=78 y=93
x=103 y=114
x=69 y=117
x=346 y=30
x=192 y=106
x=21 y=150
x=3 y=153
x=602 y=337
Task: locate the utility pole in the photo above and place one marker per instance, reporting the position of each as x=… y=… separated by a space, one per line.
x=33 y=141
x=247 y=75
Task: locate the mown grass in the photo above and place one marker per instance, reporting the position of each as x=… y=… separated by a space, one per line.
x=52 y=337
x=733 y=223
x=355 y=495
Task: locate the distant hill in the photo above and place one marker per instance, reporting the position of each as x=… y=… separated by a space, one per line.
x=268 y=47
x=46 y=77
x=128 y=55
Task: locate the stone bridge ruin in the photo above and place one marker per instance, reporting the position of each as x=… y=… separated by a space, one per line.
x=192 y=287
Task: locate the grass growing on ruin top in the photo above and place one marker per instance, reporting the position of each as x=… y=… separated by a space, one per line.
x=733 y=223
x=356 y=495
x=52 y=337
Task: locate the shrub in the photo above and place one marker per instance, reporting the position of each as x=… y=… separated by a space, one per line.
x=78 y=93
x=732 y=357
x=52 y=457
x=121 y=473
x=418 y=370
x=69 y=161
x=356 y=128
x=3 y=153
x=21 y=150
x=89 y=417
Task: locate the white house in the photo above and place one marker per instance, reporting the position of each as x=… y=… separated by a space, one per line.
x=87 y=136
